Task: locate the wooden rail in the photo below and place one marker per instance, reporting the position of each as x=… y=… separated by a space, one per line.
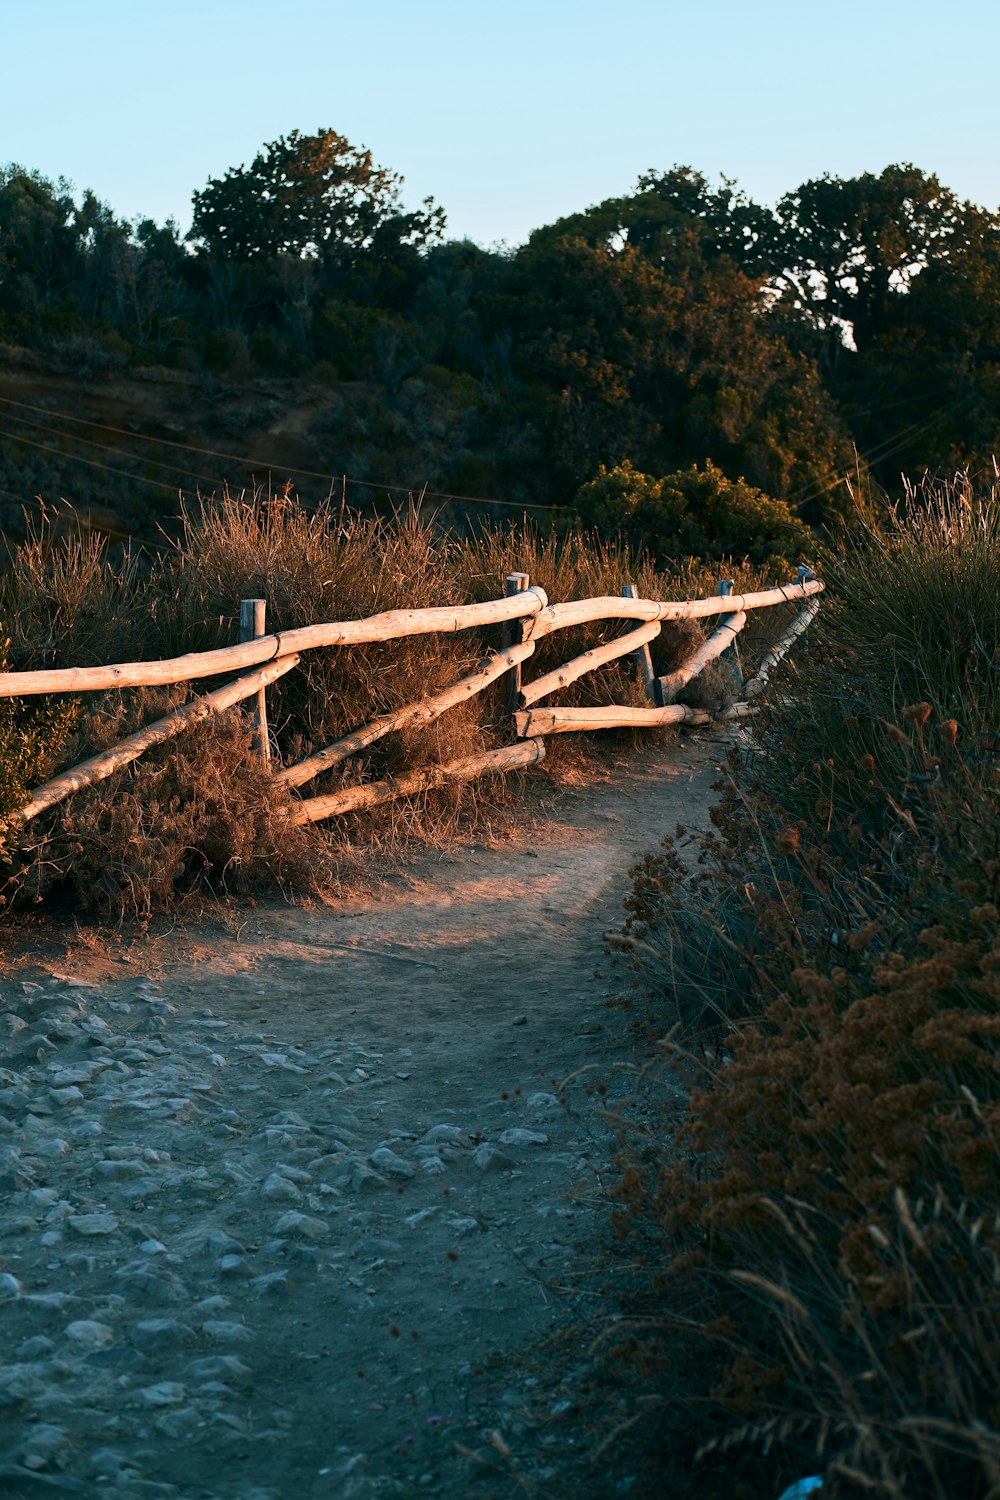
x=280 y=652
x=391 y=626
x=424 y=712
x=99 y=767
x=354 y=798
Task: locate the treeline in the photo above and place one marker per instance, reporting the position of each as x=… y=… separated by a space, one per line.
x=858 y=321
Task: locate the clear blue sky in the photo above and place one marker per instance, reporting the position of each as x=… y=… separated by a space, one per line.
x=509 y=113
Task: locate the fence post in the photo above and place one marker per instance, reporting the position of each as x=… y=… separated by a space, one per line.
x=252 y=616
x=731 y=653
x=644 y=659
x=803 y=575
x=513 y=635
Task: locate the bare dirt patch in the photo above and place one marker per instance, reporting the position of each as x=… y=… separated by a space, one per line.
x=279 y=1202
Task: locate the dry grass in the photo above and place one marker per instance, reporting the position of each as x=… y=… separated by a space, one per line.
x=70 y=603
x=830 y=1205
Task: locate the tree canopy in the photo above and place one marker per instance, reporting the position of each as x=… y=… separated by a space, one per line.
x=308 y=195
x=680 y=328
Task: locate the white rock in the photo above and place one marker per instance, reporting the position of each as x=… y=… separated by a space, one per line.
x=463 y=1225
x=53 y=1149
x=158 y=1335
x=164 y=1393
x=518 y=1136
x=445 y=1135
x=91 y=1225
x=118 y=1171
x=90 y=1335
x=490 y=1159
x=301 y=1226
x=279 y=1189
x=10 y=1287
x=225 y=1332
x=385 y=1160
x=63 y=1098
x=225 y=1367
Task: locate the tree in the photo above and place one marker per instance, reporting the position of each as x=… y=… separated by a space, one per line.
x=664 y=360
x=849 y=248
x=312 y=196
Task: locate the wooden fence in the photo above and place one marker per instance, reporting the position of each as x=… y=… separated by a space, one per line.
x=526 y=617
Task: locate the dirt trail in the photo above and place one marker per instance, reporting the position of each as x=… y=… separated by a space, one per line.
x=274 y=1199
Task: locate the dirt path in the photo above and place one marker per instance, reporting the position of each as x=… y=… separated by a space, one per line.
x=272 y=1200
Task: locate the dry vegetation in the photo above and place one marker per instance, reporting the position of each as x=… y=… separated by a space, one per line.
x=199 y=808
x=820 y=1231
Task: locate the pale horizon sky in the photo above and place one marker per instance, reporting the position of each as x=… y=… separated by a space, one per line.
x=510 y=115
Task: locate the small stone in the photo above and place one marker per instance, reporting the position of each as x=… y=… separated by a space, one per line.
x=164 y=1393
x=93 y=1225
x=225 y=1367
x=179 y=1424
x=463 y=1225
x=42 y=1443
x=153 y=1247
x=279 y=1189
x=445 y=1135
x=272 y=1284
x=35 y=1348
x=234 y=1268
x=78 y=1073
x=159 y=1335
x=119 y=1171
x=302 y=1226
x=65 y=1097
x=388 y=1162
x=226 y=1332
x=54 y=1149
x=10 y=1287
x=519 y=1021
x=490 y=1159
x=518 y=1136
x=365 y=1180
x=90 y=1335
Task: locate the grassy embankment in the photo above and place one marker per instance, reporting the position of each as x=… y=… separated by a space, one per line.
x=818 y=1232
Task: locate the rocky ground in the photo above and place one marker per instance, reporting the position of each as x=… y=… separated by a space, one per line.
x=283 y=1208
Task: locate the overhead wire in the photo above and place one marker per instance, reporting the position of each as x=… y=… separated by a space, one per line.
x=271 y=466
x=108 y=448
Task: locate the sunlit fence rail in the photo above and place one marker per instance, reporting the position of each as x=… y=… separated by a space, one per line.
x=526 y=617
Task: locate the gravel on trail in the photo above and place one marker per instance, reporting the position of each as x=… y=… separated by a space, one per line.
x=271 y=1203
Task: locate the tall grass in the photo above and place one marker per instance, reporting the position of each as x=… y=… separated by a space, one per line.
x=834 y=958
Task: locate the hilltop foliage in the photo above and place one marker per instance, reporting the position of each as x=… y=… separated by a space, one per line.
x=674 y=326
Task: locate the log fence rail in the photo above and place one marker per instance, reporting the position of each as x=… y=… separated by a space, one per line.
x=526 y=616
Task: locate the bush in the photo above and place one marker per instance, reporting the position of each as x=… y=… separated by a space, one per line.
x=693 y=513
x=830 y=1204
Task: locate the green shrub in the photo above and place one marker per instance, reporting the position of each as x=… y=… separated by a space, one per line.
x=693 y=513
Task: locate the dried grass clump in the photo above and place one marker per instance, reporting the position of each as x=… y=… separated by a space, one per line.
x=66 y=603
x=830 y=1204
x=196 y=815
